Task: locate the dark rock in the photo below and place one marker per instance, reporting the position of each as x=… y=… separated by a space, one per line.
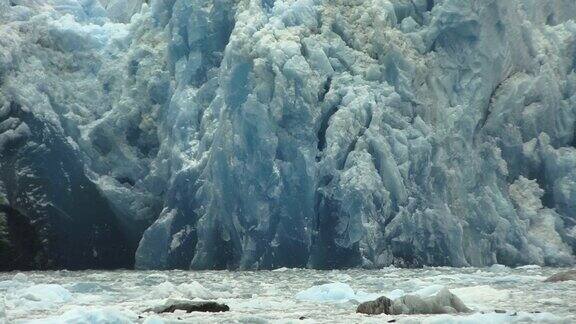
x=190 y=306
x=302 y=318
x=499 y=311
x=562 y=276
x=378 y=306
x=392 y=321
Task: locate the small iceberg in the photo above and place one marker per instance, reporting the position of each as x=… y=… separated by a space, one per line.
x=336 y=292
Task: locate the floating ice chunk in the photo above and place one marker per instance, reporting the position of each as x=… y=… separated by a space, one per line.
x=196 y=290
x=19 y=280
x=482 y=297
x=37 y=297
x=90 y=316
x=332 y=292
x=396 y=293
x=86 y=287
x=20 y=277
x=495 y=318
x=432 y=300
x=498 y=268
x=429 y=291
x=529 y=267
x=163 y=290
x=45 y=293
x=189 y=290
x=154 y=320
x=553 y=301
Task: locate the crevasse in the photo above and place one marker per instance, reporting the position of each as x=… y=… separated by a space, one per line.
x=225 y=134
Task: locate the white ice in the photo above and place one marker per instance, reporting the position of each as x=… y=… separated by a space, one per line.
x=276 y=297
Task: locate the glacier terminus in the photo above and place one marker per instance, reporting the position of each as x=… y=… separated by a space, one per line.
x=260 y=134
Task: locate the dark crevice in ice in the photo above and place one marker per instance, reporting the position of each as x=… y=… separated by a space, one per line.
x=325 y=89
x=321 y=135
x=429 y=5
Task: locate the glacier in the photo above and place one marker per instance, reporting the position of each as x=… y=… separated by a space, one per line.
x=259 y=134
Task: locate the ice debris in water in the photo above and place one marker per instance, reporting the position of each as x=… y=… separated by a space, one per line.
x=2 y=311
x=189 y=290
x=266 y=296
x=90 y=316
x=42 y=296
x=431 y=300
x=224 y=134
x=331 y=292
x=20 y=277
x=340 y=292
x=495 y=318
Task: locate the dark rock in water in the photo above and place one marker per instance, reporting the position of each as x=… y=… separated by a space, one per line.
x=442 y=302
x=499 y=311
x=562 y=276
x=378 y=306
x=191 y=306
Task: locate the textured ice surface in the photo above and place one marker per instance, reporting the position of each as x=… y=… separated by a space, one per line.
x=332 y=292
x=271 y=296
x=2 y=312
x=97 y=315
x=214 y=134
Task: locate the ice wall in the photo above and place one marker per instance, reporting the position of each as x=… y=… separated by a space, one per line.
x=261 y=134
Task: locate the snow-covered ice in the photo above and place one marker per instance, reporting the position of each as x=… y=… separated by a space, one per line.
x=276 y=297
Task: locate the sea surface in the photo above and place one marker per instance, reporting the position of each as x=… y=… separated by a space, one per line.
x=497 y=295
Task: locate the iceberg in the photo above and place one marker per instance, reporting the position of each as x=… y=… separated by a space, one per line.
x=244 y=134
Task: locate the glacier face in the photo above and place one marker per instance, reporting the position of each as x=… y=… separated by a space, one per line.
x=213 y=134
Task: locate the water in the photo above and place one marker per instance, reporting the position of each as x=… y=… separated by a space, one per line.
x=269 y=296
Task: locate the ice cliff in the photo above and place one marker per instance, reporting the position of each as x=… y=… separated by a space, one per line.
x=213 y=134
